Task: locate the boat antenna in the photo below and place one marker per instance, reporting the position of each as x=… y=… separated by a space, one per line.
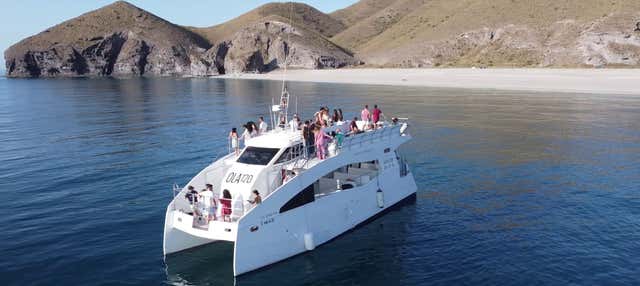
x=284 y=97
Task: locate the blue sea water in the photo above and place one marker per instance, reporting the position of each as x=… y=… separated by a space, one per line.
x=515 y=188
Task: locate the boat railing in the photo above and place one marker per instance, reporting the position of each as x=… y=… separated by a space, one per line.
x=370 y=136
x=222 y=211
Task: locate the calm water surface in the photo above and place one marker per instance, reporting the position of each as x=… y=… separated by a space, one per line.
x=514 y=188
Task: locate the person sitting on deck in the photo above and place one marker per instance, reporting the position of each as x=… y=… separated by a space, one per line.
x=354 y=126
x=368 y=126
x=226 y=205
x=257 y=199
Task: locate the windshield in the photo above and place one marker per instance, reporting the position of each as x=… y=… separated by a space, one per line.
x=257 y=156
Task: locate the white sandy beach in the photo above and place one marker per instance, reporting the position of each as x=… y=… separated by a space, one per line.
x=609 y=81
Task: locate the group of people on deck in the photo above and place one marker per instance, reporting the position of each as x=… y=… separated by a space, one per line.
x=370 y=119
x=315 y=138
x=250 y=130
x=205 y=204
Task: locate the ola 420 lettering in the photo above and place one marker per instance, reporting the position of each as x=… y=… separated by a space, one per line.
x=236 y=178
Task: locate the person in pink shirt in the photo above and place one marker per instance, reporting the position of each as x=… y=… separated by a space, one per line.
x=321 y=142
x=365 y=114
x=376 y=114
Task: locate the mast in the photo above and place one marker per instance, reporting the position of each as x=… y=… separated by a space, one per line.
x=280 y=112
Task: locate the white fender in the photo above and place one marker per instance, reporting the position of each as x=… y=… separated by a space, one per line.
x=309 y=244
x=380 y=198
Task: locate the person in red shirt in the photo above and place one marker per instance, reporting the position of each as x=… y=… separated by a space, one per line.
x=376 y=114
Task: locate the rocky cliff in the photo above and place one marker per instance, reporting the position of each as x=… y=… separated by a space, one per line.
x=503 y=33
x=123 y=40
x=119 y=39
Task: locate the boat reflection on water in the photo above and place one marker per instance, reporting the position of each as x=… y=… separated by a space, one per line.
x=210 y=264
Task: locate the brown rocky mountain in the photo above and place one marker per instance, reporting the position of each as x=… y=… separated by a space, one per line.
x=123 y=40
x=119 y=39
x=539 y=33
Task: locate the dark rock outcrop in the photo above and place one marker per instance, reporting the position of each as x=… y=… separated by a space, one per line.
x=265 y=46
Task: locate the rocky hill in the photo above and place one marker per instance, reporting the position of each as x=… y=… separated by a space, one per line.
x=508 y=33
x=123 y=40
x=119 y=39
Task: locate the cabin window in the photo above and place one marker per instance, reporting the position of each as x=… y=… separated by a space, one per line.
x=347 y=177
x=302 y=198
x=291 y=153
x=257 y=155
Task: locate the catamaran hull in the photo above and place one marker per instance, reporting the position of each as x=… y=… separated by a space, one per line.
x=281 y=236
x=176 y=240
x=278 y=237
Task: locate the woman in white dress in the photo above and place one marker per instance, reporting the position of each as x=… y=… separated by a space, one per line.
x=233 y=137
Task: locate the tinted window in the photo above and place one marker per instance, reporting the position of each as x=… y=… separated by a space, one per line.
x=257 y=156
x=302 y=198
x=290 y=154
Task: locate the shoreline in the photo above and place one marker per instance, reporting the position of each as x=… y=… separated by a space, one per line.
x=593 y=81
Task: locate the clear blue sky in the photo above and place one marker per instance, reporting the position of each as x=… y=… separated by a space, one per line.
x=23 y=18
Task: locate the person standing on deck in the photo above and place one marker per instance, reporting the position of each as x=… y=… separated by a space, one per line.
x=365 y=114
x=376 y=114
x=246 y=135
x=262 y=126
x=321 y=140
x=307 y=136
x=226 y=205
x=294 y=123
x=233 y=137
x=206 y=196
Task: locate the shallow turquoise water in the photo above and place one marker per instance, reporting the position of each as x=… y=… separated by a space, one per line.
x=514 y=188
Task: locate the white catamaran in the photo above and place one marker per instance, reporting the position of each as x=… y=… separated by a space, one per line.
x=306 y=201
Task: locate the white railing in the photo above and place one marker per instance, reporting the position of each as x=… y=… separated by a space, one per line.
x=359 y=139
x=222 y=212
